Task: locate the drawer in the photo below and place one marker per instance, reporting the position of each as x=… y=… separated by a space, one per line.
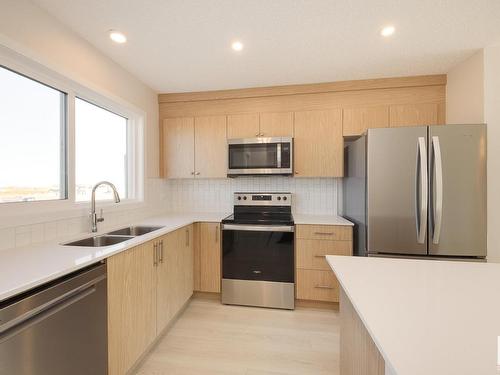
x=311 y=253
x=317 y=285
x=324 y=232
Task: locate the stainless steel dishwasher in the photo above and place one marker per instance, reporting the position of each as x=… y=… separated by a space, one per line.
x=57 y=328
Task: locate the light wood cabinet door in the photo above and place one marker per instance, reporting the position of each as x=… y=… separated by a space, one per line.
x=187 y=257
x=131 y=306
x=210 y=146
x=414 y=114
x=357 y=120
x=178 y=147
x=318 y=144
x=210 y=257
x=311 y=254
x=243 y=126
x=317 y=285
x=276 y=124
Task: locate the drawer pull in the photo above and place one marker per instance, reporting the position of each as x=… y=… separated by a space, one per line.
x=320 y=256
x=324 y=233
x=323 y=287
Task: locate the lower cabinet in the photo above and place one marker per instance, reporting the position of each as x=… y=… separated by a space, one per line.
x=207 y=263
x=147 y=286
x=314 y=279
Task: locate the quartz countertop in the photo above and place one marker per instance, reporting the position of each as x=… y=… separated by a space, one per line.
x=320 y=220
x=425 y=316
x=27 y=267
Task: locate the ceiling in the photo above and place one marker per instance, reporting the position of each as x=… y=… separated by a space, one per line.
x=185 y=45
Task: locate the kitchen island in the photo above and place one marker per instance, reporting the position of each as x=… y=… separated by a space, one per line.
x=413 y=317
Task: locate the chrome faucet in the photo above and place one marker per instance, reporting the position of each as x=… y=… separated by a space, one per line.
x=93 y=216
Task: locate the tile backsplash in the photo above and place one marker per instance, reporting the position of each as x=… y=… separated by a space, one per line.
x=310 y=195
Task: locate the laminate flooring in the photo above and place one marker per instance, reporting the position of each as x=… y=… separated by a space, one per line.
x=211 y=338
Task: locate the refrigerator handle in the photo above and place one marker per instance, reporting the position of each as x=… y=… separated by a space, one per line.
x=422 y=198
x=438 y=204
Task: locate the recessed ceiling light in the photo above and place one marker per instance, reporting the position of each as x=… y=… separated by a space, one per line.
x=117 y=36
x=388 y=30
x=237 y=46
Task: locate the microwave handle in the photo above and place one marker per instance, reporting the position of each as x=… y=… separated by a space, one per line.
x=278 y=155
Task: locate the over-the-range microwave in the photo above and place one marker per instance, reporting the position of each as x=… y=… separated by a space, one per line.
x=260 y=156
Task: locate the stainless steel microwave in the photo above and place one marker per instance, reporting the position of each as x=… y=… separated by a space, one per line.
x=260 y=156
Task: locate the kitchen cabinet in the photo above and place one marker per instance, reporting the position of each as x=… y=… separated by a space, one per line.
x=147 y=286
x=178 y=147
x=131 y=306
x=195 y=147
x=414 y=114
x=359 y=119
x=318 y=144
x=276 y=124
x=315 y=280
x=243 y=125
x=210 y=147
x=208 y=258
x=174 y=274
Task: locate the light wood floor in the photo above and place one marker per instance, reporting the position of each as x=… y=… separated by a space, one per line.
x=210 y=338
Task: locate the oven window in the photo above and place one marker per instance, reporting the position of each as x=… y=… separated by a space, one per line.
x=255 y=255
x=251 y=156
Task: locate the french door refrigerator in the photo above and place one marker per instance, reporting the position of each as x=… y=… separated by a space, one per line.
x=418 y=191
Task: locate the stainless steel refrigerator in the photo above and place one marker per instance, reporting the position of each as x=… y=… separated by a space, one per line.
x=418 y=191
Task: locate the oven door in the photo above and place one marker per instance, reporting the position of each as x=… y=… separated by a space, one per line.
x=259 y=156
x=263 y=253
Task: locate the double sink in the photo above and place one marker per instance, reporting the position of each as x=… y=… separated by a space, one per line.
x=114 y=237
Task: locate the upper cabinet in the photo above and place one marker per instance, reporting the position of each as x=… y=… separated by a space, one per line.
x=414 y=114
x=210 y=146
x=194 y=147
x=276 y=124
x=178 y=147
x=318 y=144
x=251 y=125
x=243 y=126
x=357 y=120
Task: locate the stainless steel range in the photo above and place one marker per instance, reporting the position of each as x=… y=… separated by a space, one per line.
x=258 y=260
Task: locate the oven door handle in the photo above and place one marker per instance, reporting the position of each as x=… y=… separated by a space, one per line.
x=259 y=228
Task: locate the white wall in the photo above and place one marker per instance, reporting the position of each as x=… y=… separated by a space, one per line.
x=30 y=31
x=492 y=118
x=465 y=92
x=310 y=195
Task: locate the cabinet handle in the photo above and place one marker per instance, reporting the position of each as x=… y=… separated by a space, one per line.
x=216 y=234
x=187 y=237
x=161 y=251
x=320 y=256
x=155 y=254
x=324 y=233
x=296 y=172
x=197 y=173
x=323 y=287
x=192 y=173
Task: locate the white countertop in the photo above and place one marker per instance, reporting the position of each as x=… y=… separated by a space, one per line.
x=427 y=317
x=24 y=268
x=320 y=219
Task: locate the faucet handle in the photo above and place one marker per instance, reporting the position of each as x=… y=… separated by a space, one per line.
x=101 y=218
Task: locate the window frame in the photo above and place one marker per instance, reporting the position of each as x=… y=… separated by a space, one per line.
x=19 y=213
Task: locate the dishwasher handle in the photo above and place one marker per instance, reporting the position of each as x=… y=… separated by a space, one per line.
x=22 y=322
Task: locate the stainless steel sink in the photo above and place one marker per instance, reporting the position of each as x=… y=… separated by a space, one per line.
x=133 y=231
x=99 y=241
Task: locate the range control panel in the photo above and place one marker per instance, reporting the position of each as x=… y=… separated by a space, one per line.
x=262 y=199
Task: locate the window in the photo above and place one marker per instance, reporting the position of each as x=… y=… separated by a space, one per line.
x=32 y=140
x=101 y=151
